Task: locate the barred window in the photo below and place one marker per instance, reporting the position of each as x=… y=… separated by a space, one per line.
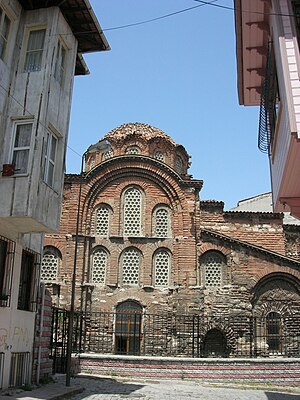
x=213 y=265
x=179 y=165
x=273 y=331
x=159 y=155
x=7 y=251
x=162 y=268
x=133 y=150
x=99 y=266
x=161 y=222
x=50 y=264
x=132 y=212
x=130 y=267
x=102 y=221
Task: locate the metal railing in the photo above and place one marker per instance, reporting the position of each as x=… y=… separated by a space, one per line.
x=19 y=369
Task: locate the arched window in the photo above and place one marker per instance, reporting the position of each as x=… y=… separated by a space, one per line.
x=99 y=266
x=133 y=150
x=162 y=261
x=162 y=222
x=102 y=221
x=108 y=154
x=179 y=165
x=273 y=331
x=130 y=267
x=50 y=263
x=159 y=155
x=213 y=264
x=132 y=212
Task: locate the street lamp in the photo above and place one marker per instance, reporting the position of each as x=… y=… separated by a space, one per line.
x=101 y=146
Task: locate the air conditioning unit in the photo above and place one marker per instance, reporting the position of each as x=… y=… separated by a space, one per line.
x=8 y=169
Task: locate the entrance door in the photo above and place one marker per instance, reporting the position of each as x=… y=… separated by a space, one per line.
x=128 y=328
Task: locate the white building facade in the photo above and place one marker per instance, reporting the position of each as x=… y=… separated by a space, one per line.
x=40 y=52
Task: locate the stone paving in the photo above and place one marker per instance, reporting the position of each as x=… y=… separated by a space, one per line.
x=112 y=389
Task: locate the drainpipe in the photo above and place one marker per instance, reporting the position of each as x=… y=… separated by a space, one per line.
x=38 y=369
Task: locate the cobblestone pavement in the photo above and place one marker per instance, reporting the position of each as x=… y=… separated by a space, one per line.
x=112 y=389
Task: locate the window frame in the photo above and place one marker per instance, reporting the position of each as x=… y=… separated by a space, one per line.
x=141 y=225
x=203 y=266
x=109 y=210
x=28 y=281
x=95 y=250
x=158 y=251
x=271 y=337
x=54 y=251
x=121 y=267
x=29 y=30
x=60 y=63
x=154 y=221
x=27 y=148
x=4 y=14
x=48 y=160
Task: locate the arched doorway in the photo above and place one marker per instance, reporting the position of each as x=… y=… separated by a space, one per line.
x=128 y=327
x=215 y=344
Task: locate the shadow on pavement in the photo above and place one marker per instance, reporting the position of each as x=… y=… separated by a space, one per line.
x=281 y=396
x=108 y=386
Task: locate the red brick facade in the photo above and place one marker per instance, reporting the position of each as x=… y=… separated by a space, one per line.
x=260 y=257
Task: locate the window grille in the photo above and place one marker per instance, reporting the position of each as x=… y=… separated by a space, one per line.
x=7 y=252
x=162 y=268
x=99 y=266
x=19 y=369
x=28 y=281
x=132 y=212
x=159 y=155
x=133 y=150
x=4 y=32
x=130 y=267
x=273 y=325
x=50 y=264
x=21 y=148
x=161 y=221
x=268 y=105
x=179 y=165
x=213 y=269
x=34 y=51
x=108 y=154
x=102 y=221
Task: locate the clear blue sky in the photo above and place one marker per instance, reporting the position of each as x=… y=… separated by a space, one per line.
x=178 y=74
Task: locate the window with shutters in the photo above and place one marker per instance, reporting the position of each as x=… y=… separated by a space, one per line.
x=161 y=222
x=162 y=261
x=130 y=267
x=28 y=281
x=51 y=262
x=102 y=220
x=132 y=223
x=213 y=264
x=99 y=266
x=34 y=50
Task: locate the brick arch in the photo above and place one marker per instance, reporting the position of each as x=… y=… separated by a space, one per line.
x=54 y=246
x=275 y=270
x=210 y=246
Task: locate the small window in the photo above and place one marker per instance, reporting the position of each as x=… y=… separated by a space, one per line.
x=50 y=264
x=7 y=250
x=161 y=222
x=132 y=212
x=60 y=63
x=4 y=32
x=159 y=155
x=50 y=158
x=34 y=50
x=133 y=150
x=21 y=147
x=161 y=268
x=102 y=221
x=130 y=267
x=28 y=282
x=99 y=266
x=213 y=264
x=108 y=154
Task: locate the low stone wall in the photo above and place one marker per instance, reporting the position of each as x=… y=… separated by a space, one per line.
x=279 y=371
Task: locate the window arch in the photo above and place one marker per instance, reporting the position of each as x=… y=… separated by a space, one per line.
x=133 y=150
x=213 y=264
x=130 y=264
x=161 y=222
x=132 y=212
x=162 y=268
x=273 y=332
x=99 y=266
x=102 y=220
x=50 y=264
